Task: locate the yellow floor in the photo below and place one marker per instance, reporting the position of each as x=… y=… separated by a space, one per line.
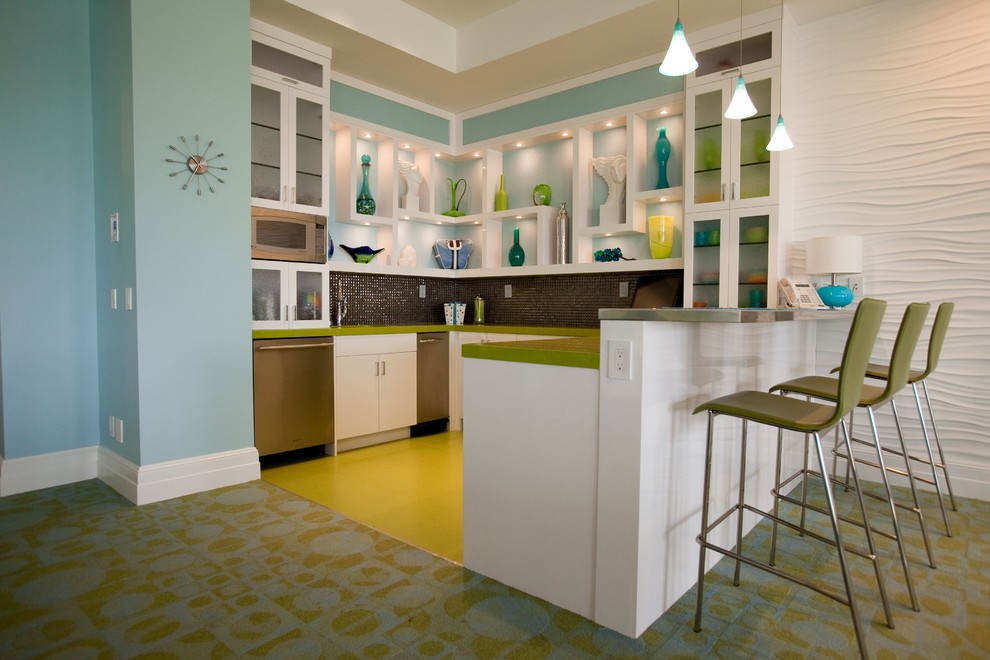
x=409 y=489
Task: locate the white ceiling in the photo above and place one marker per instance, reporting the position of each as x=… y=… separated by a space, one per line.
x=457 y=55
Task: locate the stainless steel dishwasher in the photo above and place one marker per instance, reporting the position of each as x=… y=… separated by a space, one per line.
x=293 y=394
x=432 y=383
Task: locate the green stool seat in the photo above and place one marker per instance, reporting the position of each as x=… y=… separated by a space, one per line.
x=871 y=398
x=809 y=419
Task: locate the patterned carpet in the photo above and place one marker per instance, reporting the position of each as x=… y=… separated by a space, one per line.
x=254 y=571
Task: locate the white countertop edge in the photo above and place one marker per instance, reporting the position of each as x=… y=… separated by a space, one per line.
x=722 y=315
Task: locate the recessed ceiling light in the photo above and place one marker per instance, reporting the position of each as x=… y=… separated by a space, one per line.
x=367 y=135
x=518 y=144
x=439 y=222
x=608 y=234
x=477 y=155
x=663 y=199
x=405 y=146
x=664 y=111
x=565 y=134
x=477 y=222
x=609 y=124
x=367 y=224
x=439 y=155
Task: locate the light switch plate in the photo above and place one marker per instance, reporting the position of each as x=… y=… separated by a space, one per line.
x=422 y=290
x=623 y=289
x=114 y=228
x=508 y=290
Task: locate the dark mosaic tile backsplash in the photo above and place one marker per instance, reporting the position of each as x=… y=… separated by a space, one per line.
x=563 y=301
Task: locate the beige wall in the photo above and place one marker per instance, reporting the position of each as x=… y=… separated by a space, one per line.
x=891 y=116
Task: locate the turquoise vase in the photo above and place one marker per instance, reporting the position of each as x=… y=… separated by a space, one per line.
x=663 y=155
x=516 y=254
x=365 y=202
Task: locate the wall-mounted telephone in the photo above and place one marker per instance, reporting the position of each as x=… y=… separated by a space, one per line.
x=799 y=294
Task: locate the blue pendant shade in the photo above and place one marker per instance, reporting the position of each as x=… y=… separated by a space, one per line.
x=834 y=255
x=741 y=106
x=780 y=140
x=678 y=60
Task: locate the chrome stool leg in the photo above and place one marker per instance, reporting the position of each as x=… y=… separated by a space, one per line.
x=931 y=458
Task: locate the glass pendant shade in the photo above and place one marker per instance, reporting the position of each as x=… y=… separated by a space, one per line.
x=740 y=106
x=679 y=60
x=780 y=140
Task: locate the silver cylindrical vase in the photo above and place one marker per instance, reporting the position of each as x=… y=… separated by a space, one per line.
x=561 y=234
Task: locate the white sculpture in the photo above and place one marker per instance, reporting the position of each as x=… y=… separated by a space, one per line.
x=613 y=170
x=414 y=179
x=408 y=256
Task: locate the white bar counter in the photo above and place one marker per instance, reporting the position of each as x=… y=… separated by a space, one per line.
x=585 y=490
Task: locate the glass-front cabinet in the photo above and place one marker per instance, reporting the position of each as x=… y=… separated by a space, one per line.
x=288 y=295
x=289 y=131
x=728 y=164
x=731 y=259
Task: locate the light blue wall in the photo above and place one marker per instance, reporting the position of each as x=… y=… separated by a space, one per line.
x=613 y=92
x=113 y=147
x=193 y=286
x=47 y=263
x=364 y=105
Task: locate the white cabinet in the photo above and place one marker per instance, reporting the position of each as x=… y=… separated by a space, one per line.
x=728 y=164
x=288 y=295
x=374 y=384
x=289 y=131
x=732 y=258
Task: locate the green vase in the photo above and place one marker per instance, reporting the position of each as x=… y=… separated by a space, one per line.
x=501 y=197
x=516 y=254
x=365 y=202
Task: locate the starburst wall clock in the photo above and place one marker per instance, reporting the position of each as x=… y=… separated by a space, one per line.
x=197 y=164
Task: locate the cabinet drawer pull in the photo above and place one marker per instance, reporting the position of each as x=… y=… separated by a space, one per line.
x=290 y=80
x=383 y=367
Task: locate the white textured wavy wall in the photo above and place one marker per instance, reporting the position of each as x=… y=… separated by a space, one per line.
x=891 y=116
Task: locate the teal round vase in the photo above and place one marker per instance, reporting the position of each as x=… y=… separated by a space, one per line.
x=516 y=254
x=663 y=155
x=365 y=202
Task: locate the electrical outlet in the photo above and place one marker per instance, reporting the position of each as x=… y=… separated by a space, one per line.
x=422 y=290
x=623 y=289
x=113 y=427
x=855 y=282
x=508 y=290
x=619 y=356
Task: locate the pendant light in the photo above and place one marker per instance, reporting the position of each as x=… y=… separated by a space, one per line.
x=741 y=106
x=678 y=60
x=780 y=140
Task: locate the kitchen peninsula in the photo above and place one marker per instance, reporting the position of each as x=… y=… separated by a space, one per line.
x=582 y=479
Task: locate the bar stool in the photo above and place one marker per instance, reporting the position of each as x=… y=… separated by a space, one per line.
x=807 y=418
x=916 y=376
x=871 y=398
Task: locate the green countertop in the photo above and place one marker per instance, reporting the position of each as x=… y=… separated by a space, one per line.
x=579 y=352
x=398 y=329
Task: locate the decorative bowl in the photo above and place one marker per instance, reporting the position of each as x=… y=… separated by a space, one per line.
x=363 y=254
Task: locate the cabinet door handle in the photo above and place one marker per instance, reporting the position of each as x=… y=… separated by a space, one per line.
x=295 y=313
x=376 y=369
x=285 y=193
x=383 y=367
x=733 y=190
x=293 y=194
x=290 y=80
x=285 y=313
x=723 y=193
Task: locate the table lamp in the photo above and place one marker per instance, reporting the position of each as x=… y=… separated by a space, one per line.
x=834 y=255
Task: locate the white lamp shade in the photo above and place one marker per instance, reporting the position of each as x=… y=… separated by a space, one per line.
x=678 y=61
x=741 y=106
x=834 y=254
x=780 y=140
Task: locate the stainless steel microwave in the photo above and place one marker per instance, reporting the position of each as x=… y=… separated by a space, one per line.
x=288 y=236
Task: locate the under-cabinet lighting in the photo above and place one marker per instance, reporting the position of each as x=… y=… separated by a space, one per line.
x=663 y=199
x=438 y=155
x=367 y=136
x=518 y=144
x=439 y=222
x=608 y=234
x=565 y=134
x=405 y=217
x=665 y=111
x=367 y=224
x=405 y=146
x=477 y=155
x=477 y=222
x=518 y=217
x=609 y=124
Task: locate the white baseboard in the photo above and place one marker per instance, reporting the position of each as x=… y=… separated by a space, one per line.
x=21 y=475
x=153 y=483
x=139 y=484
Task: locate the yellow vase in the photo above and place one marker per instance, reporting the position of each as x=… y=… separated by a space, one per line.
x=661 y=236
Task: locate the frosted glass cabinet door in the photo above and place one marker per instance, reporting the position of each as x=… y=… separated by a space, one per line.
x=269 y=305
x=708 y=148
x=308 y=286
x=267 y=148
x=308 y=153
